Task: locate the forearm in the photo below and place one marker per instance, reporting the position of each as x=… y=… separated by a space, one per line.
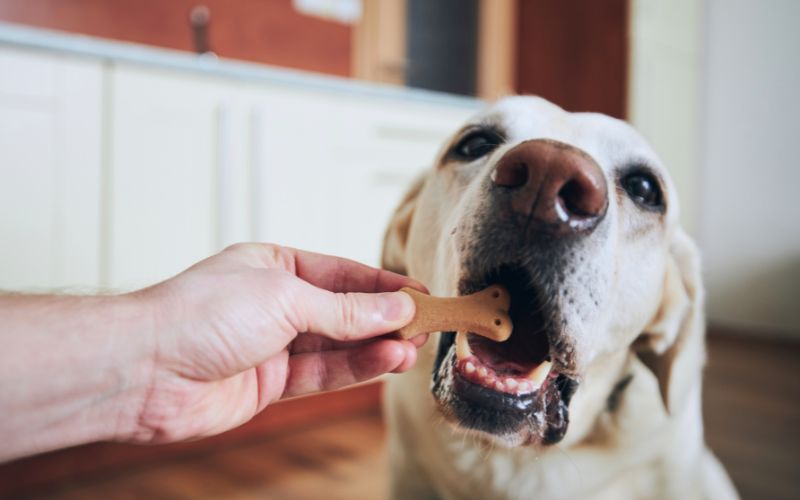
x=72 y=370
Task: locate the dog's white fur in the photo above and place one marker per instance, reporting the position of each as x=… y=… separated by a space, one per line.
x=647 y=324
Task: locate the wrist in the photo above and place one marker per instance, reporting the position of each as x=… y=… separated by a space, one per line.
x=120 y=336
x=134 y=316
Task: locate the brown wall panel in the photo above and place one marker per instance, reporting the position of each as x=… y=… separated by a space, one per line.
x=265 y=31
x=574 y=53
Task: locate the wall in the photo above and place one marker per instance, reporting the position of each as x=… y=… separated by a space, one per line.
x=713 y=88
x=665 y=72
x=265 y=31
x=750 y=209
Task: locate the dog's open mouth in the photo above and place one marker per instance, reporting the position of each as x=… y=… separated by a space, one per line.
x=515 y=388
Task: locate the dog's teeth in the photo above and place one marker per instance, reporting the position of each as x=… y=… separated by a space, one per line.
x=538 y=374
x=469 y=367
x=499 y=386
x=482 y=371
x=462 y=346
x=510 y=383
x=524 y=387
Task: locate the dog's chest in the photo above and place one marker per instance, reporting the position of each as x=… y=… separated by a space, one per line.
x=463 y=468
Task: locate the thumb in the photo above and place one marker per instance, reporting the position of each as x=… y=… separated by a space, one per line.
x=353 y=316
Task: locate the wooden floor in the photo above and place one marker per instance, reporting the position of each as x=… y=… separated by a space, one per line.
x=752 y=404
x=340 y=460
x=752 y=414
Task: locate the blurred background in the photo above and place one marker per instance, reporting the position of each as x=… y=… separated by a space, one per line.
x=137 y=137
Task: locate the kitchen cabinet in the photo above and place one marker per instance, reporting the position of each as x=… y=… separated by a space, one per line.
x=50 y=175
x=174 y=152
x=197 y=164
x=120 y=166
x=331 y=170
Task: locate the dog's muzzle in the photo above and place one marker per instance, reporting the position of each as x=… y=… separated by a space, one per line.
x=544 y=196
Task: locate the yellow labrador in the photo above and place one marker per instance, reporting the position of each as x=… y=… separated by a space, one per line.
x=597 y=392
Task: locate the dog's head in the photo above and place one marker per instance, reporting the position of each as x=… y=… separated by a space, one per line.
x=577 y=217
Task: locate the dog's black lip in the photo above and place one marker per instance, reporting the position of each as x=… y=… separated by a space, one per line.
x=491 y=398
x=543 y=414
x=446 y=340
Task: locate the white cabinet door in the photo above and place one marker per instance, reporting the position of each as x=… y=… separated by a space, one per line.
x=198 y=163
x=388 y=145
x=50 y=158
x=177 y=173
x=295 y=199
x=331 y=168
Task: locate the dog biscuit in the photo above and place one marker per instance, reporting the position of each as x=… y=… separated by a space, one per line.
x=484 y=313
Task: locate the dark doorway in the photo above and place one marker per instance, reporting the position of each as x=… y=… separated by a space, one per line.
x=442 y=45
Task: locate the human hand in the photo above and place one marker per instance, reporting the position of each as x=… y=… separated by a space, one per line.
x=257 y=323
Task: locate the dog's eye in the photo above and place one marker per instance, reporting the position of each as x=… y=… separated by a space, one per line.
x=477 y=144
x=643 y=188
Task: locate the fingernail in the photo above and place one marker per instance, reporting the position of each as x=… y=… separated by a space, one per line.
x=396 y=306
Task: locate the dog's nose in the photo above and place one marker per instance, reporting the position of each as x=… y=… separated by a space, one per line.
x=555 y=184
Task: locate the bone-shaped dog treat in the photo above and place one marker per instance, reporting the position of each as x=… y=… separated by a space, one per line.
x=484 y=313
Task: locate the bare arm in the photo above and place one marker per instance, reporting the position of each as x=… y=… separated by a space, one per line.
x=73 y=369
x=197 y=354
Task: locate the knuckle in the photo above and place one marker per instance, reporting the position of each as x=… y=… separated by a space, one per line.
x=276 y=256
x=238 y=247
x=266 y=255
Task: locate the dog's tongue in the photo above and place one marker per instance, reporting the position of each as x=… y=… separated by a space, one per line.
x=523 y=351
x=506 y=357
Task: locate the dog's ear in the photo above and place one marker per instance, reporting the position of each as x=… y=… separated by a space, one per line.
x=393 y=256
x=672 y=346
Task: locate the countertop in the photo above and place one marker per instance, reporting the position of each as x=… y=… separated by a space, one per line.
x=122 y=52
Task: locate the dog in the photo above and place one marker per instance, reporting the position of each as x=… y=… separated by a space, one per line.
x=597 y=393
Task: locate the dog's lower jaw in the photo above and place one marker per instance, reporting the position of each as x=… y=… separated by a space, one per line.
x=507 y=420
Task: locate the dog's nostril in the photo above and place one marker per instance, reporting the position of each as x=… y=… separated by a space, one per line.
x=510 y=174
x=580 y=199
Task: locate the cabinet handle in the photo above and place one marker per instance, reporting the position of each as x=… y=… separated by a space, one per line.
x=199 y=20
x=258 y=176
x=225 y=187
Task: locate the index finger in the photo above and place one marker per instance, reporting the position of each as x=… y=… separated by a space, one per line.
x=338 y=274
